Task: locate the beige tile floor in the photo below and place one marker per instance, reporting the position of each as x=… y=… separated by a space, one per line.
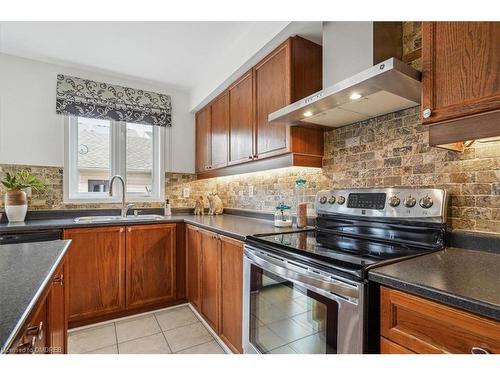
x=176 y=330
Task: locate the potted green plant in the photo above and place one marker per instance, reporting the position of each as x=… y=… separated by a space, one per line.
x=15 y=199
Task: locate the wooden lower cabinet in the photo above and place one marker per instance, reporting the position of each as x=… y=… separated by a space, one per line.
x=57 y=305
x=389 y=347
x=415 y=324
x=193 y=266
x=116 y=271
x=46 y=329
x=150 y=264
x=231 y=293
x=210 y=278
x=96 y=262
x=215 y=282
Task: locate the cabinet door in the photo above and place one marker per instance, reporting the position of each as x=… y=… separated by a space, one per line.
x=96 y=263
x=460 y=69
x=193 y=248
x=150 y=264
x=231 y=293
x=428 y=327
x=220 y=129
x=210 y=278
x=272 y=92
x=241 y=123
x=57 y=312
x=203 y=140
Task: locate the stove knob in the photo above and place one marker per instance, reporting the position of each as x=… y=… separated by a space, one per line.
x=322 y=200
x=394 y=201
x=410 y=201
x=331 y=200
x=426 y=202
x=341 y=200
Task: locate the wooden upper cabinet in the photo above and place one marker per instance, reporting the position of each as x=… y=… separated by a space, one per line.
x=272 y=92
x=150 y=264
x=210 y=278
x=241 y=123
x=290 y=73
x=460 y=69
x=193 y=266
x=203 y=140
x=96 y=264
x=231 y=293
x=220 y=131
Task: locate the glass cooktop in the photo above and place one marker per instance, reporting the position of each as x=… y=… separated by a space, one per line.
x=345 y=252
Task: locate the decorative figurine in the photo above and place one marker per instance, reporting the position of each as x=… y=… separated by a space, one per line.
x=214 y=204
x=199 y=206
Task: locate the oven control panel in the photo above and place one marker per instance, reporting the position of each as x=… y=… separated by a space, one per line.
x=419 y=204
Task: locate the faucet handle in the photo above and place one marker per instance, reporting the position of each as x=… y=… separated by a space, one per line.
x=128 y=207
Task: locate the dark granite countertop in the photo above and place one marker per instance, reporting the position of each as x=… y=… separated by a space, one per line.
x=25 y=271
x=466 y=279
x=235 y=226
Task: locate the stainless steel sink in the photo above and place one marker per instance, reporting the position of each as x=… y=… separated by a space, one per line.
x=106 y=219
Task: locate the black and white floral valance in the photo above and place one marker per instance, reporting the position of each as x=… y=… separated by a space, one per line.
x=86 y=98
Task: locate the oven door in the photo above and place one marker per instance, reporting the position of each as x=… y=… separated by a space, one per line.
x=292 y=308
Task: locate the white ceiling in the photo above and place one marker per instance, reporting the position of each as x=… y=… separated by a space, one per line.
x=192 y=56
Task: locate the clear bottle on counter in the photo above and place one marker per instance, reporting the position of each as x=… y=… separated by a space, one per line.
x=283 y=216
x=301 y=202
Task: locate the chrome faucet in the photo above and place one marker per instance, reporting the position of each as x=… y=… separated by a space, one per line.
x=125 y=206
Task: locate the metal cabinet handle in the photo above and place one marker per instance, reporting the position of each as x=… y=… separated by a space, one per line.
x=35 y=331
x=250 y=157
x=479 y=350
x=121 y=230
x=27 y=347
x=256 y=156
x=59 y=279
x=427 y=113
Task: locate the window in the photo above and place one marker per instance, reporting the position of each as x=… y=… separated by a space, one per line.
x=98 y=149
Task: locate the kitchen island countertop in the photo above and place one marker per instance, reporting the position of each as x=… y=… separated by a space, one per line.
x=26 y=270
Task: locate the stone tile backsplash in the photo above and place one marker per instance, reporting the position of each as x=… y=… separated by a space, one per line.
x=390 y=150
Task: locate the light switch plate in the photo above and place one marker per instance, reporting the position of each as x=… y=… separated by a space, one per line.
x=185 y=193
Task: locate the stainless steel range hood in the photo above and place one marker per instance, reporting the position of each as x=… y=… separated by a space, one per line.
x=386 y=87
x=380 y=87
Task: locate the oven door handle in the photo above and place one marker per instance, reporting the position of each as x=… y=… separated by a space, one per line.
x=301 y=275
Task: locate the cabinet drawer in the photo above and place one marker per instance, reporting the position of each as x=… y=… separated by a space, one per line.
x=423 y=326
x=389 y=347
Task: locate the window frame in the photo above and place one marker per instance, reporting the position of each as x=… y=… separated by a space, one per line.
x=118 y=156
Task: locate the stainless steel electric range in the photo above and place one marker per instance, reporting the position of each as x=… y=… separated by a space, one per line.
x=307 y=291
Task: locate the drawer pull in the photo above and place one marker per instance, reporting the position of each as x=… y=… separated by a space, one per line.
x=479 y=350
x=26 y=348
x=35 y=331
x=59 y=279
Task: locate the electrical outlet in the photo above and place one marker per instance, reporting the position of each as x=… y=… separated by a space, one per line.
x=250 y=191
x=185 y=193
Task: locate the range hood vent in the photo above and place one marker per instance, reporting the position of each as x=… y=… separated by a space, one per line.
x=383 y=88
x=363 y=77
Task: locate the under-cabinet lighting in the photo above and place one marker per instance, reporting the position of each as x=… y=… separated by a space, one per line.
x=355 y=96
x=308 y=114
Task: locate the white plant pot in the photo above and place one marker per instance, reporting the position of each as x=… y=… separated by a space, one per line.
x=16 y=206
x=16 y=214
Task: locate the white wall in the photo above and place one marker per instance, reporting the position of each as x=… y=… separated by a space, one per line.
x=31 y=132
x=347 y=50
